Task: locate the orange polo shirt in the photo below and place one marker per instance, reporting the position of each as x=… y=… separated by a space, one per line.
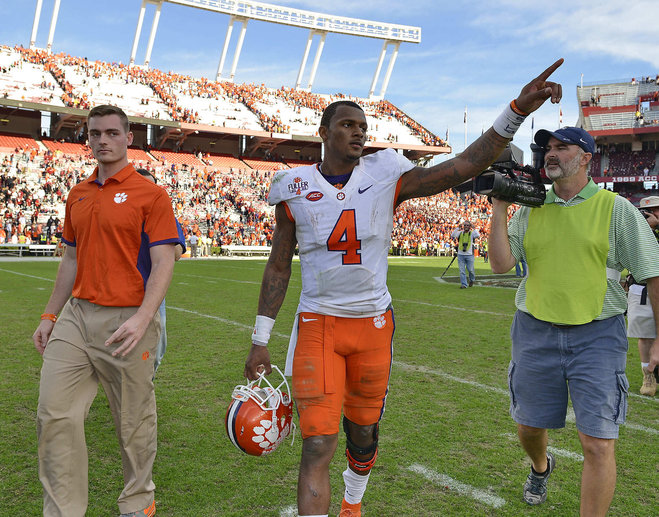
x=113 y=226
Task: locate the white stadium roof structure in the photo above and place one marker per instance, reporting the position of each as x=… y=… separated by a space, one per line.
x=221 y=118
x=241 y=11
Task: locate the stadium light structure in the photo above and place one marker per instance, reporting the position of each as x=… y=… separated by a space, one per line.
x=53 y=24
x=318 y=24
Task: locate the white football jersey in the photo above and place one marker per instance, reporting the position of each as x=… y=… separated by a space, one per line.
x=343 y=235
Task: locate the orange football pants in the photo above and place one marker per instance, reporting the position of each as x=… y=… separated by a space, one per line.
x=341 y=363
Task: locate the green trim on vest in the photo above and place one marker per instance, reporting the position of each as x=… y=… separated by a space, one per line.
x=566 y=249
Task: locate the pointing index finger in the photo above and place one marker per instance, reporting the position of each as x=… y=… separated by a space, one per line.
x=544 y=75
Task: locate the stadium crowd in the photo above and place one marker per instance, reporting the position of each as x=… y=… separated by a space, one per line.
x=221 y=206
x=168 y=89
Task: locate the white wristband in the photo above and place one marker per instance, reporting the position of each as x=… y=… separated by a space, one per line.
x=508 y=122
x=262 y=329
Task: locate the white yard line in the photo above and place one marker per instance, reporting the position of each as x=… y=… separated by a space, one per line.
x=29 y=276
x=482 y=496
x=557 y=452
x=453 y=307
x=288 y=511
x=448 y=376
x=222 y=320
x=570 y=413
x=402 y=365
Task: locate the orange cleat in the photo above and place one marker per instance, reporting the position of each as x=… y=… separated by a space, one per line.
x=350 y=510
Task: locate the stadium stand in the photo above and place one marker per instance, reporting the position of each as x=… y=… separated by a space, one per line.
x=10 y=142
x=623 y=117
x=225 y=205
x=170 y=157
x=61 y=79
x=220 y=195
x=23 y=80
x=139 y=156
x=66 y=148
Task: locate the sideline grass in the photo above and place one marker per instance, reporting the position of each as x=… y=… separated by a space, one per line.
x=446 y=412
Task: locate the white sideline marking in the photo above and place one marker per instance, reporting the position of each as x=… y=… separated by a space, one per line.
x=462 y=488
x=216 y=280
x=643 y=397
x=565 y=454
x=453 y=307
x=223 y=320
x=425 y=369
x=408 y=367
x=570 y=412
x=288 y=511
x=29 y=276
x=557 y=452
x=571 y=418
x=641 y=428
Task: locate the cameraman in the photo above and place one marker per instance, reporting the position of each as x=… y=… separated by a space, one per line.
x=568 y=334
x=466 y=238
x=640 y=316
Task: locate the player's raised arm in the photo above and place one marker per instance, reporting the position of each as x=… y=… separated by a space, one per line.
x=421 y=181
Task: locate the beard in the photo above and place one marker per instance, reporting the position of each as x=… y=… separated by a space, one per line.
x=564 y=170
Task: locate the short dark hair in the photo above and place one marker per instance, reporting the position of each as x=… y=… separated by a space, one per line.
x=330 y=111
x=106 y=109
x=146 y=173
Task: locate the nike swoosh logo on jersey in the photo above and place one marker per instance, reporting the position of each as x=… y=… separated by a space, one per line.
x=362 y=190
x=305 y=320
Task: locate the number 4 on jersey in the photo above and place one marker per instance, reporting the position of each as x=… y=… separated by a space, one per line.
x=344 y=238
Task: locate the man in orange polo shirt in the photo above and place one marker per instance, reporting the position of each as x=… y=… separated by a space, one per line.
x=109 y=325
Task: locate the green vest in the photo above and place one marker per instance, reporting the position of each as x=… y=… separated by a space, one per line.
x=464 y=239
x=566 y=250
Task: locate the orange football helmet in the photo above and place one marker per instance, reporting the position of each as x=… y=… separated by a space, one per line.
x=260 y=415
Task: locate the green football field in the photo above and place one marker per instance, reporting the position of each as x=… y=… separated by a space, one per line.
x=447 y=444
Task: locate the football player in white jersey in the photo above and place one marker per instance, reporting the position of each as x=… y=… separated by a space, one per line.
x=340 y=214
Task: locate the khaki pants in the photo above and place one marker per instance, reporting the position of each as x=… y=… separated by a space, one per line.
x=74 y=362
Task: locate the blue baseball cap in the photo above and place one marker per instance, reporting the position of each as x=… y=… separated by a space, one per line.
x=568 y=135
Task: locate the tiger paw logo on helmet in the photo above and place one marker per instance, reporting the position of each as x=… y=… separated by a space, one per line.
x=259 y=417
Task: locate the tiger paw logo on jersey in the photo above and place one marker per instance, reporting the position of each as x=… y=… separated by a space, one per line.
x=120 y=197
x=379 y=321
x=298 y=186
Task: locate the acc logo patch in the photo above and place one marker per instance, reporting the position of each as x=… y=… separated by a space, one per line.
x=298 y=186
x=120 y=197
x=314 y=196
x=379 y=321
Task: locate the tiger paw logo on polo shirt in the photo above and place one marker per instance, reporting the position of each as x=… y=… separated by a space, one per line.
x=120 y=197
x=379 y=321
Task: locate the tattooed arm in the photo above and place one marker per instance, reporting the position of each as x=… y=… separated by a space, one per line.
x=421 y=181
x=278 y=269
x=273 y=286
